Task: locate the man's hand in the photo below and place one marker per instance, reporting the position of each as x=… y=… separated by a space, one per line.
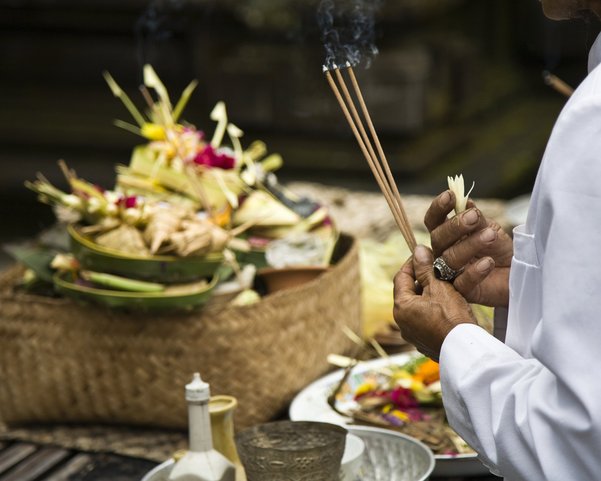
x=471 y=242
x=428 y=310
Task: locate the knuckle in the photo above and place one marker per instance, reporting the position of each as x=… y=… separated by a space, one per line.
x=468 y=279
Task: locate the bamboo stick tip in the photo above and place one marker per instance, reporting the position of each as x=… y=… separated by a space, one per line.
x=547 y=77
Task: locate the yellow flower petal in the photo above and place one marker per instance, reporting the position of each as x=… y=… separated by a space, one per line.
x=365 y=388
x=153 y=131
x=403 y=416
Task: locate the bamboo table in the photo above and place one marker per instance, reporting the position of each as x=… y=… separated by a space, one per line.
x=21 y=461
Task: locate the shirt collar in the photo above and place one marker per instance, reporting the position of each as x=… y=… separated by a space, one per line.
x=594 y=56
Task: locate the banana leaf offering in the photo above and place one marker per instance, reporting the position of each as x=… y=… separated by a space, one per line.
x=186 y=205
x=116 y=292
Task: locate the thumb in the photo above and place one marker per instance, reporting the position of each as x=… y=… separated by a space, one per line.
x=422 y=265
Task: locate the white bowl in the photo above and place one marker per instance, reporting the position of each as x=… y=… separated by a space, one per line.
x=392 y=456
x=352 y=458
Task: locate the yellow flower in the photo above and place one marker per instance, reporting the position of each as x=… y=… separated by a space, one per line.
x=153 y=131
x=366 y=387
x=417 y=386
x=402 y=416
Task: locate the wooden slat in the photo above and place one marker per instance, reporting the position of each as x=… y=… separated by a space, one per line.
x=15 y=454
x=36 y=465
x=73 y=466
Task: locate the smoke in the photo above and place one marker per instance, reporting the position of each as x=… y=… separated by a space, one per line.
x=348 y=31
x=156 y=25
x=551 y=46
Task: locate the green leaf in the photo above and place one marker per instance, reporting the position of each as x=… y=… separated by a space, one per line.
x=121 y=283
x=34 y=257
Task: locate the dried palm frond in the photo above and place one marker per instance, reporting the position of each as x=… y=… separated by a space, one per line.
x=126 y=239
x=162 y=224
x=195 y=238
x=106 y=224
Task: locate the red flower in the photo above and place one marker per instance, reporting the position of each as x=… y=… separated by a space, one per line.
x=403 y=398
x=211 y=158
x=129 y=202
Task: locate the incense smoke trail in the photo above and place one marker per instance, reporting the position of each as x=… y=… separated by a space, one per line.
x=348 y=31
x=156 y=25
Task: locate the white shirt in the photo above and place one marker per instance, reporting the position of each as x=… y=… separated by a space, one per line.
x=532 y=407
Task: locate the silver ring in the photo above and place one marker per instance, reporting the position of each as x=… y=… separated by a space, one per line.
x=443 y=272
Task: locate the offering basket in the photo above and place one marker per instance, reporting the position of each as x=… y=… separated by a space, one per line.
x=64 y=361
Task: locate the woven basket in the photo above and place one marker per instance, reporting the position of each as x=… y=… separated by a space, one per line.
x=61 y=361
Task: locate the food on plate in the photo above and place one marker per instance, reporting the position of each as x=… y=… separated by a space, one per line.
x=405 y=398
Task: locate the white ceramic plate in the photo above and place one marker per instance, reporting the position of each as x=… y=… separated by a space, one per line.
x=311 y=404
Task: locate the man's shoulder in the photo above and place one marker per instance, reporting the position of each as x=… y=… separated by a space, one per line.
x=588 y=93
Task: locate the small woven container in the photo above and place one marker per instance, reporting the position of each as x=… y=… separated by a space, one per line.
x=62 y=361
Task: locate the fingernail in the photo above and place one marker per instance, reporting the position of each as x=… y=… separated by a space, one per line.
x=421 y=254
x=483 y=266
x=470 y=217
x=445 y=198
x=488 y=235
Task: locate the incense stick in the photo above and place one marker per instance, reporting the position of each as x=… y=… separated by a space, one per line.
x=382 y=155
x=365 y=145
x=556 y=83
x=371 y=162
x=379 y=166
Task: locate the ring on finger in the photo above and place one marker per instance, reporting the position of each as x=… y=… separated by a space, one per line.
x=443 y=271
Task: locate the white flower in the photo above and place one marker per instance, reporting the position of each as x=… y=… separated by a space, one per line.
x=94 y=205
x=457 y=186
x=72 y=201
x=111 y=209
x=112 y=197
x=64 y=262
x=132 y=216
x=66 y=215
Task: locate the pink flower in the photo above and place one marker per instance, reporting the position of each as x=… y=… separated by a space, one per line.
x=403 y=398
x=199 y=133
x=128 y=202
x=211 y=158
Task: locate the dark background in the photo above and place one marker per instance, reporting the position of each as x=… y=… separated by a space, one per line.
x=457 y=88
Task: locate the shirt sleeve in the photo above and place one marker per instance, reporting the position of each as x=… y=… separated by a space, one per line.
x=538 y=417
